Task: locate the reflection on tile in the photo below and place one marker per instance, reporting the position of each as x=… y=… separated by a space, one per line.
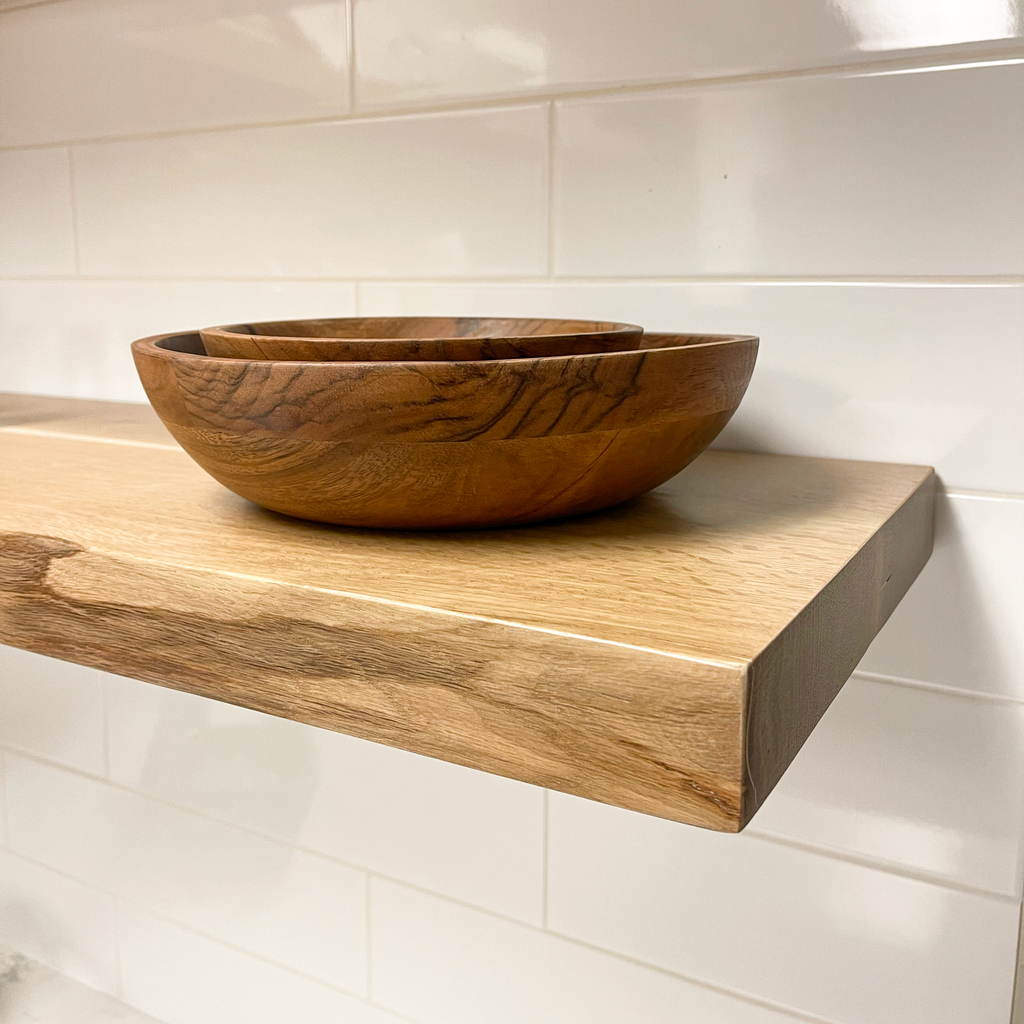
x=72 y=338
x=412 y=51
x=840 y=370
x=33 y=994
x=838 y=940
x=441 y=963
x=62 y=923
x=470 y=835
x=324 y=200
x=52 y=708
x=927 y=781
x=36 y=224
x=794 y=177
x=110 y=67
x=962 y=622
x=223 y=986
x=294 y=908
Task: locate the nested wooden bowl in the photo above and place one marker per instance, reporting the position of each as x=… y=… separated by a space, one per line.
x=431 y=445
x=405 y=338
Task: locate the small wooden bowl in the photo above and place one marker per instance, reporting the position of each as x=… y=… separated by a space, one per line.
x=406 y=338
x=432 y=445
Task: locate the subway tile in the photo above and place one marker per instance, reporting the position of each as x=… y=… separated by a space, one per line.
x=840 y=941
x=469 y=835
x=294 y=908
x=907 y=373
x=878 y=174
x=73 y=338
x=409 y=52
x=456 y=194
x=924 y=781
x=37 y=232
x=184 y=978
x=53 y=709
x=59 y=922
x=962 y=622
x=441 y=963
x=97 y=68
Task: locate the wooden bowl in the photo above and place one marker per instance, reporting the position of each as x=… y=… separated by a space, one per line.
x=429 y=445
x=404 y=338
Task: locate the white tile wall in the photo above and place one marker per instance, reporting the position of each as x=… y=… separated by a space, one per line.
x=444 y=964
x=962 y=622
x=876 y=780
x=409 y=51
x=866 y=225
x=468 y=835
x=794 y=177
x=109 y=67
x=297 y=909
x=426 y=195
x=59 y=922
x=184 y=978
x=53 y=709
x=71 y=337
x=37 y=235
x=837 y=940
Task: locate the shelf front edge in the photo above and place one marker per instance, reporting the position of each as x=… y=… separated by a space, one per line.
x=652 y=732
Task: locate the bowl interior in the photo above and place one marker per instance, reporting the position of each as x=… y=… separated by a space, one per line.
x=422 y=328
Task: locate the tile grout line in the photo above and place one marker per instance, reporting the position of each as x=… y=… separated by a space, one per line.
x=75 y=227
x=350 y=53
x=939 y=689
x=551 y=134
x=993 y=281
x=369 y=936
x=502 y=102
x=571 y=940
x=545 y=846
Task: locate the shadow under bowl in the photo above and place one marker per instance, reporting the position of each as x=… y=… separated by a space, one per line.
x=405 y=338
x=447 y=445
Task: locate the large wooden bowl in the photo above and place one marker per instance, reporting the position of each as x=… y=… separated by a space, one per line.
x=405 y=338
x=432 y=445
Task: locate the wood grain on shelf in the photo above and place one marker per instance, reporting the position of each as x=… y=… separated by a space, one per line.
x=668 y=656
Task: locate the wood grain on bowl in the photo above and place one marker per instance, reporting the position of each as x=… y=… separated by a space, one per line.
x=447 y=444
x=389 y=339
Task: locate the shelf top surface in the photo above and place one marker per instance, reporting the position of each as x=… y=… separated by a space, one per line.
x=711 y=566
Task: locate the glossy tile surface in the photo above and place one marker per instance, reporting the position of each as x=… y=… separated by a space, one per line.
x=322 y=200
x=73 y=337
x=62 y=923
x=930 y=782
x=53 y=709
x=36 y=223
x=852 y=371
x=291 y=907
x=440 y=963
x=110 y=67
x=33 y=994
x=962 y=622
x=223 y=986
x=466 y=834
x=847 y=943
x=408 y=51
x=793 y=177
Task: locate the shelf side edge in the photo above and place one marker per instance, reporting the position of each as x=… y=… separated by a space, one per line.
x=793 y=681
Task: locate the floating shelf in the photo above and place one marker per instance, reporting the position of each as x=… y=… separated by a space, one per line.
x=670 y=656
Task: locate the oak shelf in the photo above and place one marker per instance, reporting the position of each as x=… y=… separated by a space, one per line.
x=670 y=656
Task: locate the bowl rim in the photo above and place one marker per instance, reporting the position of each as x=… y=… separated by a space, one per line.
x=597 y=328
x=151 y=346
